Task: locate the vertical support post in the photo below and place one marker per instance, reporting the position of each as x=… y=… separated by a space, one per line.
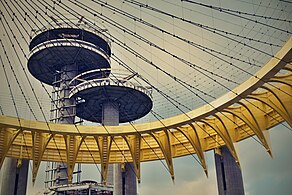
x=130 y=184
x=14 y=178
x=66 y=114
x=229 y=176
x=8 y=175
x=110 y=117
x=123 y=178
x=22 y=172
x=119 y=180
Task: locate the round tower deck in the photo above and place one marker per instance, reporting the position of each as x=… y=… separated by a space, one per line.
x=55 y=48
x=134 y=101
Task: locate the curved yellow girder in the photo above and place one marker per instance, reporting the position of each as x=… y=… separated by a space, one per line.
x=256 y=105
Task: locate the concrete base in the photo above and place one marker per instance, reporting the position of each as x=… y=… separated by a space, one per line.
x=22 y=173
x=129 y=178
x=118 y=180
x=110 y=175
x=229 y=177
x=13 y=178
x=8 y=174
x=125 y=180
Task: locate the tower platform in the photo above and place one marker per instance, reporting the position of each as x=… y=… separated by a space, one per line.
x=57 y=46
x=133 y=100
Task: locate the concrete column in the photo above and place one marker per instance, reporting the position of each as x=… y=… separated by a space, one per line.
x=110 y=114
x=130 y=179
x=118 y=176
x=13 y=178
x=66 y=114
x=110 y=117
x=123 y=178
x=8 y=175
x=229 y=177
x=21 y=173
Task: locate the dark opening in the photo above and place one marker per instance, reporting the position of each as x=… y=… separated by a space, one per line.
x=16 y=183
x=123 y=183
x=223 y=175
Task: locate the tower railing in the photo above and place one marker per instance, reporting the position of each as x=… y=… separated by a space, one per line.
x=74 y=23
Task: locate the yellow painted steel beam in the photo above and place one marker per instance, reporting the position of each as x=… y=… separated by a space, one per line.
x=193 y=138
x=104 y=146
x=39 y=145
x=246 y=115
x=163 y=140
x=256 y=105
x=134 y=145
x=7 y=136
x=73 y=144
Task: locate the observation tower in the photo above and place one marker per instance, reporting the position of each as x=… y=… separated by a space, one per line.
x=75 y=60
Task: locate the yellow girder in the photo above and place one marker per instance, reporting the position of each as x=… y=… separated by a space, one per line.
x=134 y=145
x=191 y=134
x=104 y=146
x=163 y=140
x=256 y=105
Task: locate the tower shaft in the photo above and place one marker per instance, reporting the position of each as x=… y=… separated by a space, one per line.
x=65 y=113
x=110 y=116
x=123 y=178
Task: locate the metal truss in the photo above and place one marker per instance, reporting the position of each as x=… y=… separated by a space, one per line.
x=261 y=102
